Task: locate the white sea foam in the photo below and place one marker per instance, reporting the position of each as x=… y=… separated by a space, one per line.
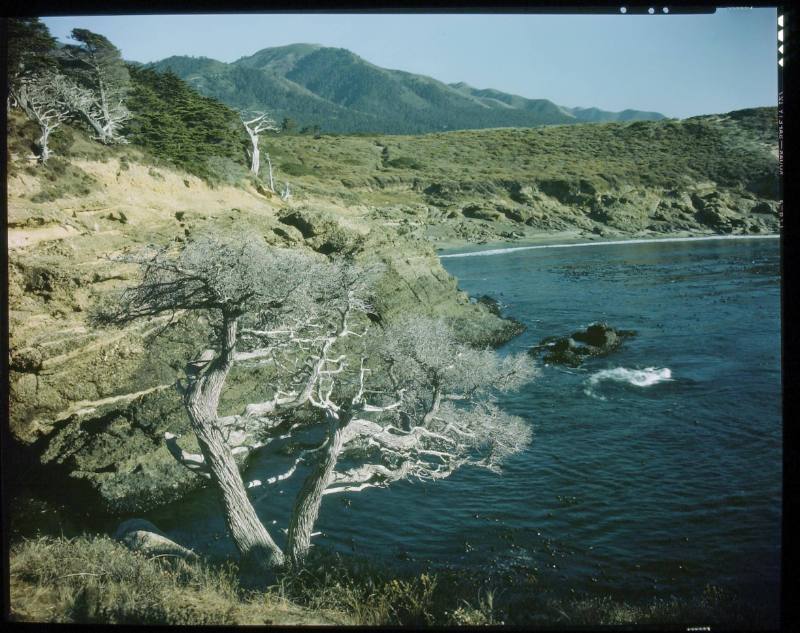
x=637 y=377
x=501 y=251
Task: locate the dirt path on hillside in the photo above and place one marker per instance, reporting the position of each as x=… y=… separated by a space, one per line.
x=22 y=238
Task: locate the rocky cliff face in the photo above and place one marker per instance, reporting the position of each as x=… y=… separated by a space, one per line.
x=714 y=174
x=96 y=402
x=452 y=212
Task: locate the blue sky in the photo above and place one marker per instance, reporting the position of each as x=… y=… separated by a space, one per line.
x=680 y=65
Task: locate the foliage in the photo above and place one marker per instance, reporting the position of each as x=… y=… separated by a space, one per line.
x=733 y=150
x=96 y=63
x=296 y=169
x=340 y=92
x=403 y=162
x=30 y=48
x=101 y=81
x=98 y=580
x=176 y=124
x=288 y=125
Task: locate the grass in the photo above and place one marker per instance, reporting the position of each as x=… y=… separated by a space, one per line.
x=572 y=163
x=376 y=596
x=61 y=178
x=97 y=580
x=94 y=580
x=731 y=150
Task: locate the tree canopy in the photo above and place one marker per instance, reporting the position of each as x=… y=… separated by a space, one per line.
x=404 y=401
x=30 y=48
x=175 y=123
x=101 y=81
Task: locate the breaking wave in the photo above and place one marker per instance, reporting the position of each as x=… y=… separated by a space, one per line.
x=637 y=377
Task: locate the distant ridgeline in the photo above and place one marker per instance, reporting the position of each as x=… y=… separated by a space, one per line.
x=337 y=91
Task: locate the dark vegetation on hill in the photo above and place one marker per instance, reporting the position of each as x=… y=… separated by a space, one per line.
x=711 y=174
x=340 y=92
x=733 y=150
x=174 y=123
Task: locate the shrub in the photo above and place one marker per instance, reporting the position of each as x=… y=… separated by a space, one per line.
x=296 y=169
x=61 y=178
x=223 y=170
x=99 y=580
x=404 y=162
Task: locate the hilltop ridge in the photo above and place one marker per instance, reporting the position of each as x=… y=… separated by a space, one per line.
x=341 y=92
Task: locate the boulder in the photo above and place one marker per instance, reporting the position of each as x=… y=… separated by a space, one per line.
x=491 y=303
x=764 y=208
x=142 y=536
x=524 y=194
x=598 y=335
x=480 y=212
x=598 y=339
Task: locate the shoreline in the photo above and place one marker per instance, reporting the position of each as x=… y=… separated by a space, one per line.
x=569 y=240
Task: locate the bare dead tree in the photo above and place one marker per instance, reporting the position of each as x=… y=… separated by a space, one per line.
x=407 y=402
x=271 y=178
x=105 y=117
x=260 y=123
x=102 y=84
x=225 y=279
x=42 y=97
x=447 y=417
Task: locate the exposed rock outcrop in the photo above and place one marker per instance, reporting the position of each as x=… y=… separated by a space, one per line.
x=142 y=536
x=96 y=402
x=598 y=339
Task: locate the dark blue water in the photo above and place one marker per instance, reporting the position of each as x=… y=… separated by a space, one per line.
x=627 y=490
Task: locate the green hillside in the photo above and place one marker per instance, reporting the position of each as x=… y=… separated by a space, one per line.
x=179 y=126
x=733 y=150
x=711 y=174
x=340 y=92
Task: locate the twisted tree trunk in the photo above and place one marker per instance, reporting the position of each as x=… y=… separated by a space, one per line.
x=255 y=153
x=202 y=399
x=309 y=499
x=44 y=148
x=271 y=179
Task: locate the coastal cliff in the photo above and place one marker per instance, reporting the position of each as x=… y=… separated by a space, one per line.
x=95 y=403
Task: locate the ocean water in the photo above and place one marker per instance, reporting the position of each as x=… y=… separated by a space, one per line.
x=654 y=471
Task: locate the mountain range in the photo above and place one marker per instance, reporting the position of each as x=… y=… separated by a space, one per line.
x=338 y=91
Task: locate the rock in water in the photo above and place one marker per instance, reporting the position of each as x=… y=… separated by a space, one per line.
x=491 y=303
x=142 y=536
x=598 y=339
x=598 y=335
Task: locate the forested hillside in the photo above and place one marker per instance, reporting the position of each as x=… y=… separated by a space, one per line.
x=338 y=91
x=173 y=122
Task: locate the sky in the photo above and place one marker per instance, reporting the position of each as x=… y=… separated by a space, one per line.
x=679 y=65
